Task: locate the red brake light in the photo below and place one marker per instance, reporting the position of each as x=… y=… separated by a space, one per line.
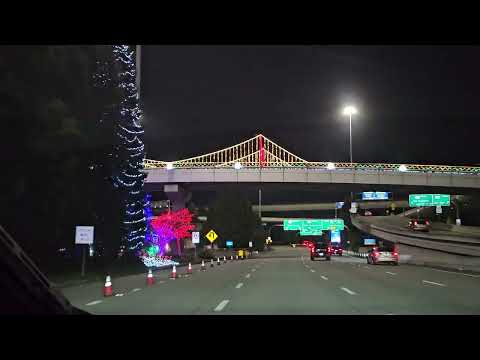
x=426 y=222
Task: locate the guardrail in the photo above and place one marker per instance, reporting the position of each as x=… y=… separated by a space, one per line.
x=355 y=253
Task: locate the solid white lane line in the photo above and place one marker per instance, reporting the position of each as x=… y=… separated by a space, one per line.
x=137 y=289
x=348 y=291
x=324 y=277
x=312 y=270
x=222 y=304
x=93 y=303
x=388 y=272
x=433 y=283
x=247 y=276
x=239 y=285
x=457 y=273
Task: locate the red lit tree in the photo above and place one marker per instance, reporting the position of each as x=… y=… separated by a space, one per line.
x=174 y=225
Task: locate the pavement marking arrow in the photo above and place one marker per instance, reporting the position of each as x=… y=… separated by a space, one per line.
x=324 y=277
x=433 y=283
x=391 y=273
x=312 y=270
x=247 y=276
x=222 y=304
x=239 y=285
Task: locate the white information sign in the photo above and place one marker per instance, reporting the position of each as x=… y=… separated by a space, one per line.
x=195 y=237
x=84 y=235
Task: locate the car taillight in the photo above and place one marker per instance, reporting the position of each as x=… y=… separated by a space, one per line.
x=375 y=253
x=395 y=253
x=414 y=223
x=426 y=222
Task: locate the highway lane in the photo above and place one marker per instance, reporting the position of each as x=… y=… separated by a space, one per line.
x=285 y=281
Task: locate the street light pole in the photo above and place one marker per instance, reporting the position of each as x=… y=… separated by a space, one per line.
x=351 y=157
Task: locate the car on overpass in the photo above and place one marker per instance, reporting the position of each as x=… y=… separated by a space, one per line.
x=382 y=254
x=419 y=224
x=321 y=249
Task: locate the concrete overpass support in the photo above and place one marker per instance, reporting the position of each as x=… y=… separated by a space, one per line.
x=178 y=196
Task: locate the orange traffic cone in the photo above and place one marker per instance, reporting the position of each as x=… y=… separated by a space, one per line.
x=189 y=270
x=224 y=259
x=173 y=275
x=107 y=289
x=211 y=262
x=203 y=266
x=150 y=279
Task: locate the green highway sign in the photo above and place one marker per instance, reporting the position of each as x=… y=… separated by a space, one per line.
x=417 y=200
x=311 y=232
x=313 y=225
x=292 y=224
x=441 y=200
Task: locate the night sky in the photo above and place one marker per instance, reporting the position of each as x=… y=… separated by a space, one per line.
x=417 y=104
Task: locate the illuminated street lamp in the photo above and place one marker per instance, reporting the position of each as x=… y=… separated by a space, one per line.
x=330 y=166
x=402 y=168
x=169 y=166
x=349 y=111
x=237 y=166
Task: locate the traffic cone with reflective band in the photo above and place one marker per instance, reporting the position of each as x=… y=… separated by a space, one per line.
x=189 y=270
x=211 y=262
x=218 y=260
x=150 y=279
x=107 y=289
x=173 y=275
x=224 y=259
x=203 y=266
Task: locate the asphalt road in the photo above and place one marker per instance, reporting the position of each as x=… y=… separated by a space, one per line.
x=286 y=282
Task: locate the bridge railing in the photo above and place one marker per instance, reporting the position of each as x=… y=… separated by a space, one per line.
x=154 y=164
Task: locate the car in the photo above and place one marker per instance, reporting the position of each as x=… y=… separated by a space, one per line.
x=321 y=249
x=337 y=250
x=382 y=254
x=419 y=225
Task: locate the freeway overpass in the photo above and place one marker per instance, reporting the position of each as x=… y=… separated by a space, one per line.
x=260 y=160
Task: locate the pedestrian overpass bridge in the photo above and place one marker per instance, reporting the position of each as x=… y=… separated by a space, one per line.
x=260 y=160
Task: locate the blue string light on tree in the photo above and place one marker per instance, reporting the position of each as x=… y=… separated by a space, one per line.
x=130 y=150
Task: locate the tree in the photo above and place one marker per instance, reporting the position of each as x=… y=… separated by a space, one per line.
x=175 y=225
x=232 y=218
x=56 y=178
x=129 y=149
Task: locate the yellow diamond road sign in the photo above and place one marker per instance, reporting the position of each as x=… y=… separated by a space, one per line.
x=212 y=236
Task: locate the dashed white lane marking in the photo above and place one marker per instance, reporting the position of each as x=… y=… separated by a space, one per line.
x=324 y=277
x=457 y=273
x=93 y=303
x=391 y=273
x=239 y=285
x=433 y=283
x=247 y=276
x=119 y=294
x=348 y=291
x=137 y=289
x=161 y=282
x=312 y=270
x=222 y=304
